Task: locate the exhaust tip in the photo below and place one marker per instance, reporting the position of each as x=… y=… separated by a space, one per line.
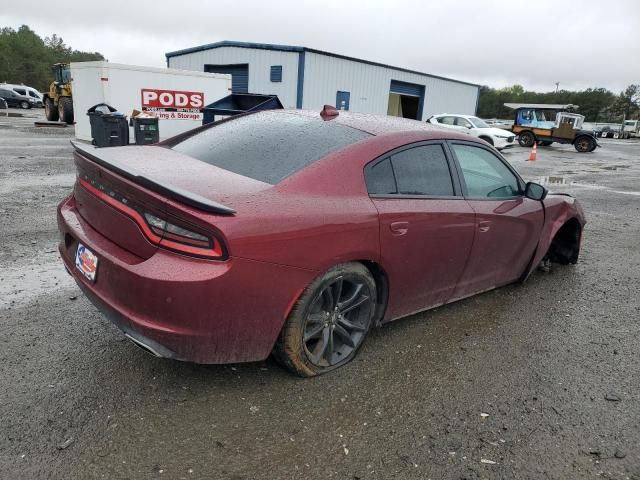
x=143 y=346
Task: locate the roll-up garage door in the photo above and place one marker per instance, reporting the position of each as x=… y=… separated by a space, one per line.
x=405 y=88
x=406 y=100
x=239 y=75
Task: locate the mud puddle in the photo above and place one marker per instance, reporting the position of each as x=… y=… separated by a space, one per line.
x=19 y=285
x=553 y=181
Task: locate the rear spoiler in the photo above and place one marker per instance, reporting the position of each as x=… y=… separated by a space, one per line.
x=104 y=158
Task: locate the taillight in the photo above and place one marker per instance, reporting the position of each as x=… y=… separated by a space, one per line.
x=158 y=230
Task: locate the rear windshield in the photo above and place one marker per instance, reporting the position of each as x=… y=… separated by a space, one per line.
x=268 y=146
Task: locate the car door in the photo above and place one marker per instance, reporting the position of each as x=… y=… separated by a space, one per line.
x=508 y=224
x=426 y=226
x=447 y=121
x=6 y=94
x=463 y=125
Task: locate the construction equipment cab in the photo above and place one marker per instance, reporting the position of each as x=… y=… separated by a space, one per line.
x=548 y=123
x=58 y=101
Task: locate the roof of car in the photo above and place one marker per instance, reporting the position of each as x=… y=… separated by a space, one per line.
x=454 y=115
x=541 y=106
x=376 y=124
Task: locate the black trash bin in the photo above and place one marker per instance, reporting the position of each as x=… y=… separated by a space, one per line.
x=239 y=103
x=109 y=128
x=145 y=130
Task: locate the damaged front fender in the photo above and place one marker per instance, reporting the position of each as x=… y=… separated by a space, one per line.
x=561 y=234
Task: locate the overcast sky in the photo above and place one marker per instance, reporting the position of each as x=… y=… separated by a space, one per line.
x=580 y=44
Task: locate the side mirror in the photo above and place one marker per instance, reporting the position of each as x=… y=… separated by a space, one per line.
x=535 y=191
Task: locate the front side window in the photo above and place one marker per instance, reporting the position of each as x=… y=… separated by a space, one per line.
x=419 y=170
x=478 y=122
x=484 y=174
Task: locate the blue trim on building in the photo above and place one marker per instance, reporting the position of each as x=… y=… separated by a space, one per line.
x=477 y=102
x=302 y=50
x=300 y=92
x=421 y=106
x=342 y=96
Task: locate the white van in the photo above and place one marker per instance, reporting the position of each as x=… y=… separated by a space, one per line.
x=34 y=95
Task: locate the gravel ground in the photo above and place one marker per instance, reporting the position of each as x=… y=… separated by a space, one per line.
x=531 y=381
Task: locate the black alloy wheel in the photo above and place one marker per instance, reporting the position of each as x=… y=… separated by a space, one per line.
x=337 y=321
x=329 y=322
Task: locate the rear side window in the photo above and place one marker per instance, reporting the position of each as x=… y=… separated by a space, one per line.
x=380 y=180
x=20 y=91
x=268 y=146
x=420 y=170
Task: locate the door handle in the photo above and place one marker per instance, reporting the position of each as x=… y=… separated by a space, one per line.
x=399 y=228
x=484 y=226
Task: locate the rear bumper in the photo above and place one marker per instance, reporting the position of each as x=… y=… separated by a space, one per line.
x=180 y=307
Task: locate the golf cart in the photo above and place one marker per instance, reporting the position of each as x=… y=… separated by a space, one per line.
x=548 y=123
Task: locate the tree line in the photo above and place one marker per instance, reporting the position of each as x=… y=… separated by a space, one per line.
x=27 y=58
x=596 y=104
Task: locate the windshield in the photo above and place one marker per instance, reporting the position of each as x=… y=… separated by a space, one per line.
x=478 y=122
x=268 y=146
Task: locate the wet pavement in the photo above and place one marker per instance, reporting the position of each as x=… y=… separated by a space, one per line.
x=531 y=381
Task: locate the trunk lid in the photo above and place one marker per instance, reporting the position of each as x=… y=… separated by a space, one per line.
x=117 y=186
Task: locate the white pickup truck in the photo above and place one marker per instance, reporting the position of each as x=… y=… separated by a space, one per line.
x=632 y=127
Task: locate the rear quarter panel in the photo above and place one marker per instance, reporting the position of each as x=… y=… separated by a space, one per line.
x=318 y=217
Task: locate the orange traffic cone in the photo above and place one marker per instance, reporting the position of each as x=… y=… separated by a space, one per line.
x=534 y=152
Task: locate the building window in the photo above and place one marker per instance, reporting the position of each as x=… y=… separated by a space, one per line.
x=276 y=73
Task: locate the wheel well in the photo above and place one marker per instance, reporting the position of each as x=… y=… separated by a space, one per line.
x=565 y=246
x=489 y=140
x=382 y=284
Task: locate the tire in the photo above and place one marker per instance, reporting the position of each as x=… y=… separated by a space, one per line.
x=65 y=110
x=25 y=105
x=489 y=140
x=584 y=144
x=526 y=139
x=50 y=110
x=545 y=143
x=332 y=338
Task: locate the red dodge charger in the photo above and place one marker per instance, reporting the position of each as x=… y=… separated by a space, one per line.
x=294 y=233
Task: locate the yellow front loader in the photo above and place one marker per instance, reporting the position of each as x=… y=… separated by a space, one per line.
x=58 y=101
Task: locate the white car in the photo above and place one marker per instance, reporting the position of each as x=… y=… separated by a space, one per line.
x=475 y=126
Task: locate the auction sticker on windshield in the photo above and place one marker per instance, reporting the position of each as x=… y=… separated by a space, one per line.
x=86 y=262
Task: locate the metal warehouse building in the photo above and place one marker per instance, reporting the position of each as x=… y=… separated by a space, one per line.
x=307 y=78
